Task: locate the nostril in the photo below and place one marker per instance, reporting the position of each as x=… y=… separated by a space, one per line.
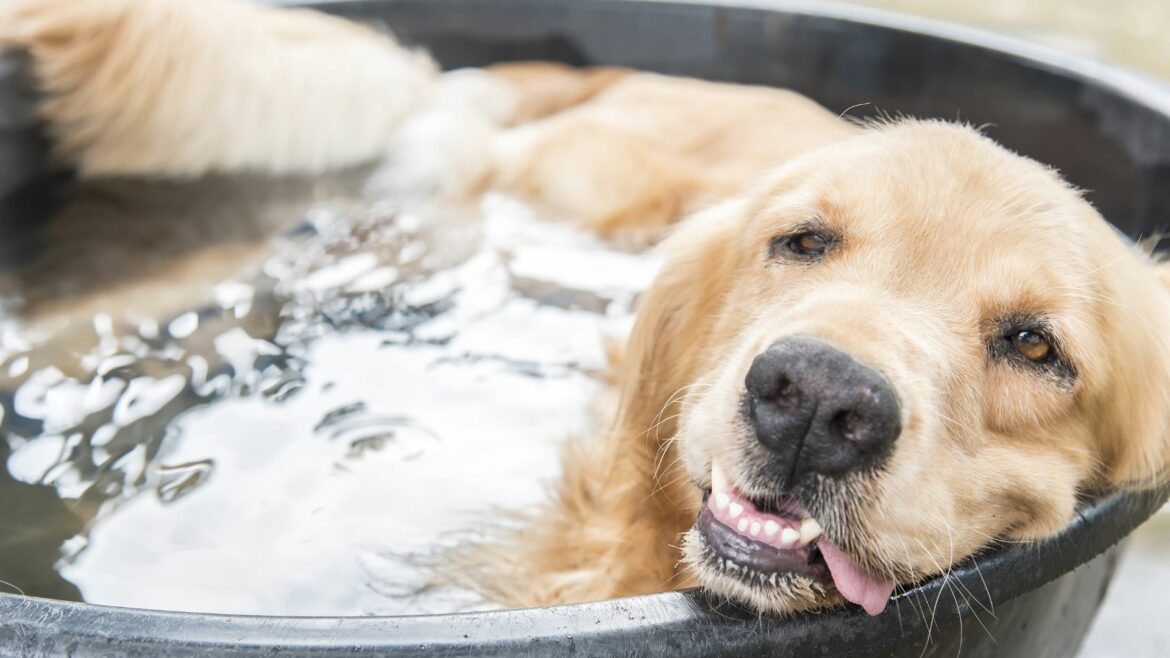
x=847 y=424
x=787 y=396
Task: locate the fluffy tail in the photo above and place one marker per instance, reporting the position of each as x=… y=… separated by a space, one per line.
x=181 y=88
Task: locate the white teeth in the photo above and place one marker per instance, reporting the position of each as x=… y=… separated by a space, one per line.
x=789 y=536
x=718 y=480
x=809 y=530
x=721 y=500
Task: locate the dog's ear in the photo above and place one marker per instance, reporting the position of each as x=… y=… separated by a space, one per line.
x=1136 y=413
x=677 y=316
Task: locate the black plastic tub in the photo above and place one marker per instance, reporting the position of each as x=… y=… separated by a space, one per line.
x=1108 y=131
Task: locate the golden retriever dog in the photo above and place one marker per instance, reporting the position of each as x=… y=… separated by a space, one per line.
x=872 y=352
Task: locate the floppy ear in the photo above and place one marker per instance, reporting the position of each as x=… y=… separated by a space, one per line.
x=1136 y=411
x=612 y=526
x=678 y=315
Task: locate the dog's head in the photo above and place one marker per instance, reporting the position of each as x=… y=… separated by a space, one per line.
x=898 y=350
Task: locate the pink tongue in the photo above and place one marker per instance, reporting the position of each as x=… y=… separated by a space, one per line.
x=853 y=582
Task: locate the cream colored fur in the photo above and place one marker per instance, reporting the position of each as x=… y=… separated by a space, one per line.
x=168 y=87
x=943 y=235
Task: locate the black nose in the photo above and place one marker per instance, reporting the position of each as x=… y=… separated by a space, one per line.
x=818 y=410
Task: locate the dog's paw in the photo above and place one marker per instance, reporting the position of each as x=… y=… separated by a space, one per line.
x=446 y=153
x=441 y=155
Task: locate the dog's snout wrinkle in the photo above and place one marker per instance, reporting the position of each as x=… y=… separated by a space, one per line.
x=819 y=410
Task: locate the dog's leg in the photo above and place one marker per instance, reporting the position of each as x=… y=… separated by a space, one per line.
x=564 y=160
x=469 y=141
x=173 y=87
x=610 y=182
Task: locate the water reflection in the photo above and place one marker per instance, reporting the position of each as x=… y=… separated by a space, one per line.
x=257 y=396
x=34 y=523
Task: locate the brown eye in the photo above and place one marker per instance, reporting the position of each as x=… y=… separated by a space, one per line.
x=1032 y=346
x=808 y=244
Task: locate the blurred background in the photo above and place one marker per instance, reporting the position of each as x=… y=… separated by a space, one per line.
x=1130 y=33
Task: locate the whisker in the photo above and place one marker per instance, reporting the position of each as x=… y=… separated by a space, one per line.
x=13 y=586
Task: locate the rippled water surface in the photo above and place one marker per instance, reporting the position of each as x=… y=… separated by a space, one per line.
x=271 y=399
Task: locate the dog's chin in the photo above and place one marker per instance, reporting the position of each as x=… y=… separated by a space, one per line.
x=755 y=574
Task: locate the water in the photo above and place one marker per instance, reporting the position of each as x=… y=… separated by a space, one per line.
x=273 y=397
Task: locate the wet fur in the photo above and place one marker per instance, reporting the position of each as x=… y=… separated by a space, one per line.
x=322 y=93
